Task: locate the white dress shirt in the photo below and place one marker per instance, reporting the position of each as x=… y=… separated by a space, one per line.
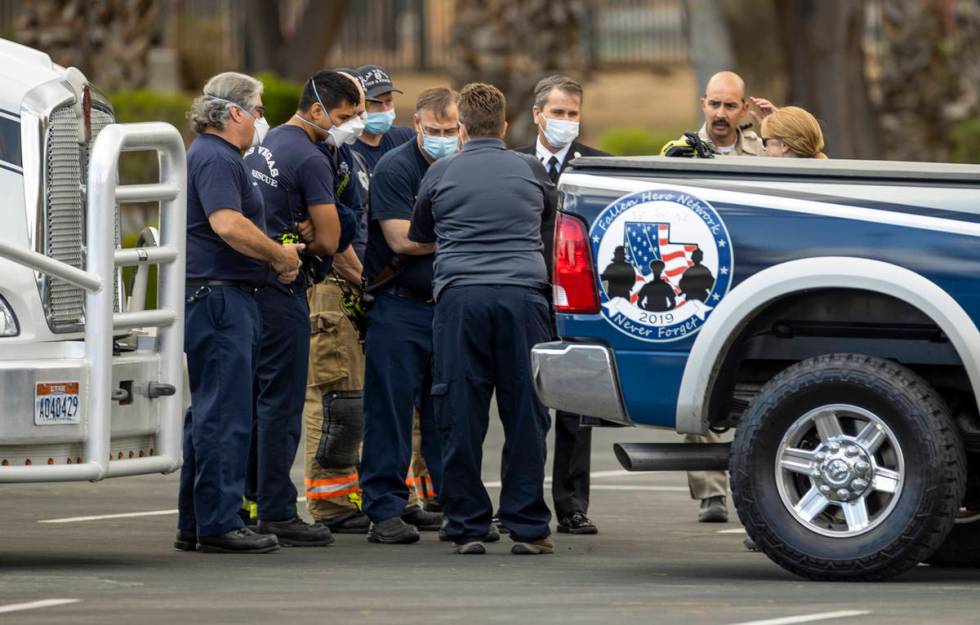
x=544 y=154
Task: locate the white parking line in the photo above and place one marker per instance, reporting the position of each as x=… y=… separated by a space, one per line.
x=595 y=474
x=807 y=618
x=33 y=605
x=737 y=530
x=125 y=515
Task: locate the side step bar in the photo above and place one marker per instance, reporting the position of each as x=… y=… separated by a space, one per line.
x=673 y=456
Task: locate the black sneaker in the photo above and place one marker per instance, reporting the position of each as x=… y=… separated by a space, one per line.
x=297 y=533
x=713 y=510
x=422 y=520
x=186 y=540
x=354 y=523
x=577 y=523
x=432 y=506
x=393 y=531
x=242 y=540
x=492 y=536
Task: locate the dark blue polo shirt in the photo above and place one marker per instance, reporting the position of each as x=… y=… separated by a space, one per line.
x=292 y=175
x=348 y=200
x=484 y=206
x=394 y=185
x=217 y=178
x=395 y=136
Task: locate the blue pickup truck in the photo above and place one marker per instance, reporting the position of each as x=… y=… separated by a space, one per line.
x=826 y=311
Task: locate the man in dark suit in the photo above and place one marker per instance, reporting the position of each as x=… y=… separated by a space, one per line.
x=557 y=113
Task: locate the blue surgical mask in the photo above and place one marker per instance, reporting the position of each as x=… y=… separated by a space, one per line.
x=379 y=123
x=438 y=147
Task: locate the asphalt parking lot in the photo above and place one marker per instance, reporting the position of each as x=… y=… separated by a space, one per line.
x=650 y=563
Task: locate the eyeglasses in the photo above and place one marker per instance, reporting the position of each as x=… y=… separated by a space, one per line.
x=440 y=132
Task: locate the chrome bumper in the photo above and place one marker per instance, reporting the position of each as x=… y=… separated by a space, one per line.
x=579 y=378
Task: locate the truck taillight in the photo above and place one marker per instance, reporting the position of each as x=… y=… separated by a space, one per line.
x=574 y=277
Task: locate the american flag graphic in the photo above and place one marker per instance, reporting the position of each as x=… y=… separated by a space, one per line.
x=646 y=242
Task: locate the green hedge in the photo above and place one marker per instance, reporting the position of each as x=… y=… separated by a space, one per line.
x=631 y=141
x=965 y=137
x=280 y=98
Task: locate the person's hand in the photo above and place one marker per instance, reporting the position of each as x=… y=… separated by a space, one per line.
x=766 y=108
x=289 y=258
x=305 y=231
x=289 y=277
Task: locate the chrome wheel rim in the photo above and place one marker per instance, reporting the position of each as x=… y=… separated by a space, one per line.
x=839 y=470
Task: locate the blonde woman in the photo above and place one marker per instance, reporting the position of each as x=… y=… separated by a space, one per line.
x=792 y=132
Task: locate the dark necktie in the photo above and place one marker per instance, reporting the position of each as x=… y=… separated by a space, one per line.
x=553 y=168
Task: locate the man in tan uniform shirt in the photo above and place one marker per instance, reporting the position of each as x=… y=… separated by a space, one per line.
x=724 y=106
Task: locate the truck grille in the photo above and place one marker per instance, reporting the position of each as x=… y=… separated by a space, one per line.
x=66 y=171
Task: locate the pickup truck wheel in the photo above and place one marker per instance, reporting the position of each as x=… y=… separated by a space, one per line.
x=962 y=547
x=847 y=467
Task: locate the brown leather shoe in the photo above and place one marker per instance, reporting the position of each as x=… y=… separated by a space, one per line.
x=538 y=547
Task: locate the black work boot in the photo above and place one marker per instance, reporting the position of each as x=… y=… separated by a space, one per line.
x=393 y=531
x=186 y=540
x=354 y=523
x=713 y=510
x=242 y=540
x=296 y=533
x=424 y=521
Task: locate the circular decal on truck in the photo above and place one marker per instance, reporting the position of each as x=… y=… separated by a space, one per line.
x=665 y=261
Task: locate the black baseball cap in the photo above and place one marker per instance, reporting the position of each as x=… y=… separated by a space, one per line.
x=376 y=81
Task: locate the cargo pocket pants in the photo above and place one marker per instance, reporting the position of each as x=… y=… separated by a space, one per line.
x=335 y=381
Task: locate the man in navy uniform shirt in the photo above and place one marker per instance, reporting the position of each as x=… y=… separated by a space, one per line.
x=380 y=137
x=335 y=380
x=296 y=181
x=398 y=349
x=557 y=114
x=484 y=207
x=379 y=134
x=228 y=258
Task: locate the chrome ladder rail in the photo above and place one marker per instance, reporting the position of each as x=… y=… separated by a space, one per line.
x=103 y=258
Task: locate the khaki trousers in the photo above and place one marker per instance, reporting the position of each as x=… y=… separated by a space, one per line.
x=704 y=484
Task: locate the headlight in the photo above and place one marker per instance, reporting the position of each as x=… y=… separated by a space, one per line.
x=8 y=321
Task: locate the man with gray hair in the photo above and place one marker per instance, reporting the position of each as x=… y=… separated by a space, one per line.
x=228 y=258
x=557 y=114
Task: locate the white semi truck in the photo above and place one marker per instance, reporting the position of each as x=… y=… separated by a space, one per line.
x=90 y=387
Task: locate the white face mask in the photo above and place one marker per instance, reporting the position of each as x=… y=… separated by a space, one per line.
x=559 y=132
x=261 y=130
x=348 y=132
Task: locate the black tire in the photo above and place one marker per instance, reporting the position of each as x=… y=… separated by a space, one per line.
x=961 y=549
x=920 y=514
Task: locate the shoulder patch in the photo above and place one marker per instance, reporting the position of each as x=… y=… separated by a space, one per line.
x=665 y=259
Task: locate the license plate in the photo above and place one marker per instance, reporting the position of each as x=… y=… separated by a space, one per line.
x=56 y=403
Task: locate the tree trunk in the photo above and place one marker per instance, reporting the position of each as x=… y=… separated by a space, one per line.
x=826 y=66
x=512 y=44
x=108 y=40
x=303 y=52
x=708 y=41
x=928 y=75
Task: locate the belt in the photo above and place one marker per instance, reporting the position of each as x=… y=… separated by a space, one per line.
x=245 y=287
x=412 y=294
